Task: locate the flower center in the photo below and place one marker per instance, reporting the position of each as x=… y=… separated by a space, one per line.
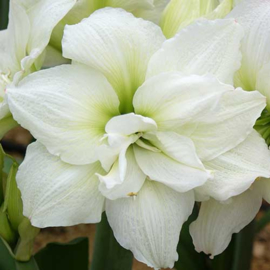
x=121 y=132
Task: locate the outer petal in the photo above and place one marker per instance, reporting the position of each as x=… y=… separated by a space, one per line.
x=131 y=5
x=133 y=179
x=236 y=170
x=172 y=100
x=17 y=36
x=43 y=16
x=253 y=15
x=150 y=225
x=229 y=125
x=117 y=44
x=263 y=184
x=178 y=14
x=153 y=14
x=66 y=108
x=58 y=194
x=201 y=48
x=168 y=171
x=218 y=221
x=53 y=58
x=263 y=83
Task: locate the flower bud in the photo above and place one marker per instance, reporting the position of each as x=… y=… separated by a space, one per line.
x=6 y=231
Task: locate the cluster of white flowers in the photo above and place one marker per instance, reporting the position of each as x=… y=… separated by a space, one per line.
x=138 y=125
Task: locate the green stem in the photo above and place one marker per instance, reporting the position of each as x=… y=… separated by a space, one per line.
x=27 y=232
x=108 y=254
x=243 y=248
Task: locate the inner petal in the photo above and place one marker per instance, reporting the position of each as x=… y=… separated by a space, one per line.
x=131 y=123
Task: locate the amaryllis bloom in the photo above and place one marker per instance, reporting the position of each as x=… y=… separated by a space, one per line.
x=22 y=44
x=220 y=217
x=128 y=127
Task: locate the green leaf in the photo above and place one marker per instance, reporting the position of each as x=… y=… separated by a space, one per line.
x=4 y=8
x=7 y=261
x=71 y=256
x=108 y=254
x=2 y=156
x=243 y=248
x=189 y=258
x=224 y=261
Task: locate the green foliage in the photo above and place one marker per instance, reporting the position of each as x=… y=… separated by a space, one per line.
x=4 y=8
x=188 y=257
x=108 y=254
x=71 y=256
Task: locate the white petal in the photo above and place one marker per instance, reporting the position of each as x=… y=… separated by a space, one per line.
x=172 y=99
x=150 y=224
x=229 y=125
x=153 y=14
x=44 y=16
x=201 y=48
x=55 y=193
x=253 y=15
x=212 y=231
x=179 y=148
x=263 y=184
x=263 y=83
x=178 y=14
x=117 y=44
x=18 y=35
x=131 y=5
x=113 y=187
x=53 y=58
x=66 y=108
x=128 y=124
x=237 y=169
x=168 y=171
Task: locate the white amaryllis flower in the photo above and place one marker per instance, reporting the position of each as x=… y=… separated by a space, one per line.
x=132 y=117
x=219 y=217
x=22 y=44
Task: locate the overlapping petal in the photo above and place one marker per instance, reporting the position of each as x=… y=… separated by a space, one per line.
x=237 y=169
x=150 y=224
x=229 y=125
x=66 y=108
x=180 y=176
x=253 y=15
x=153 y=14
x=55 y=193
x=113 y=187
x=43 y=16
x=172 y=99
x=217 y=221
x=201 y=48
x=116 y=43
